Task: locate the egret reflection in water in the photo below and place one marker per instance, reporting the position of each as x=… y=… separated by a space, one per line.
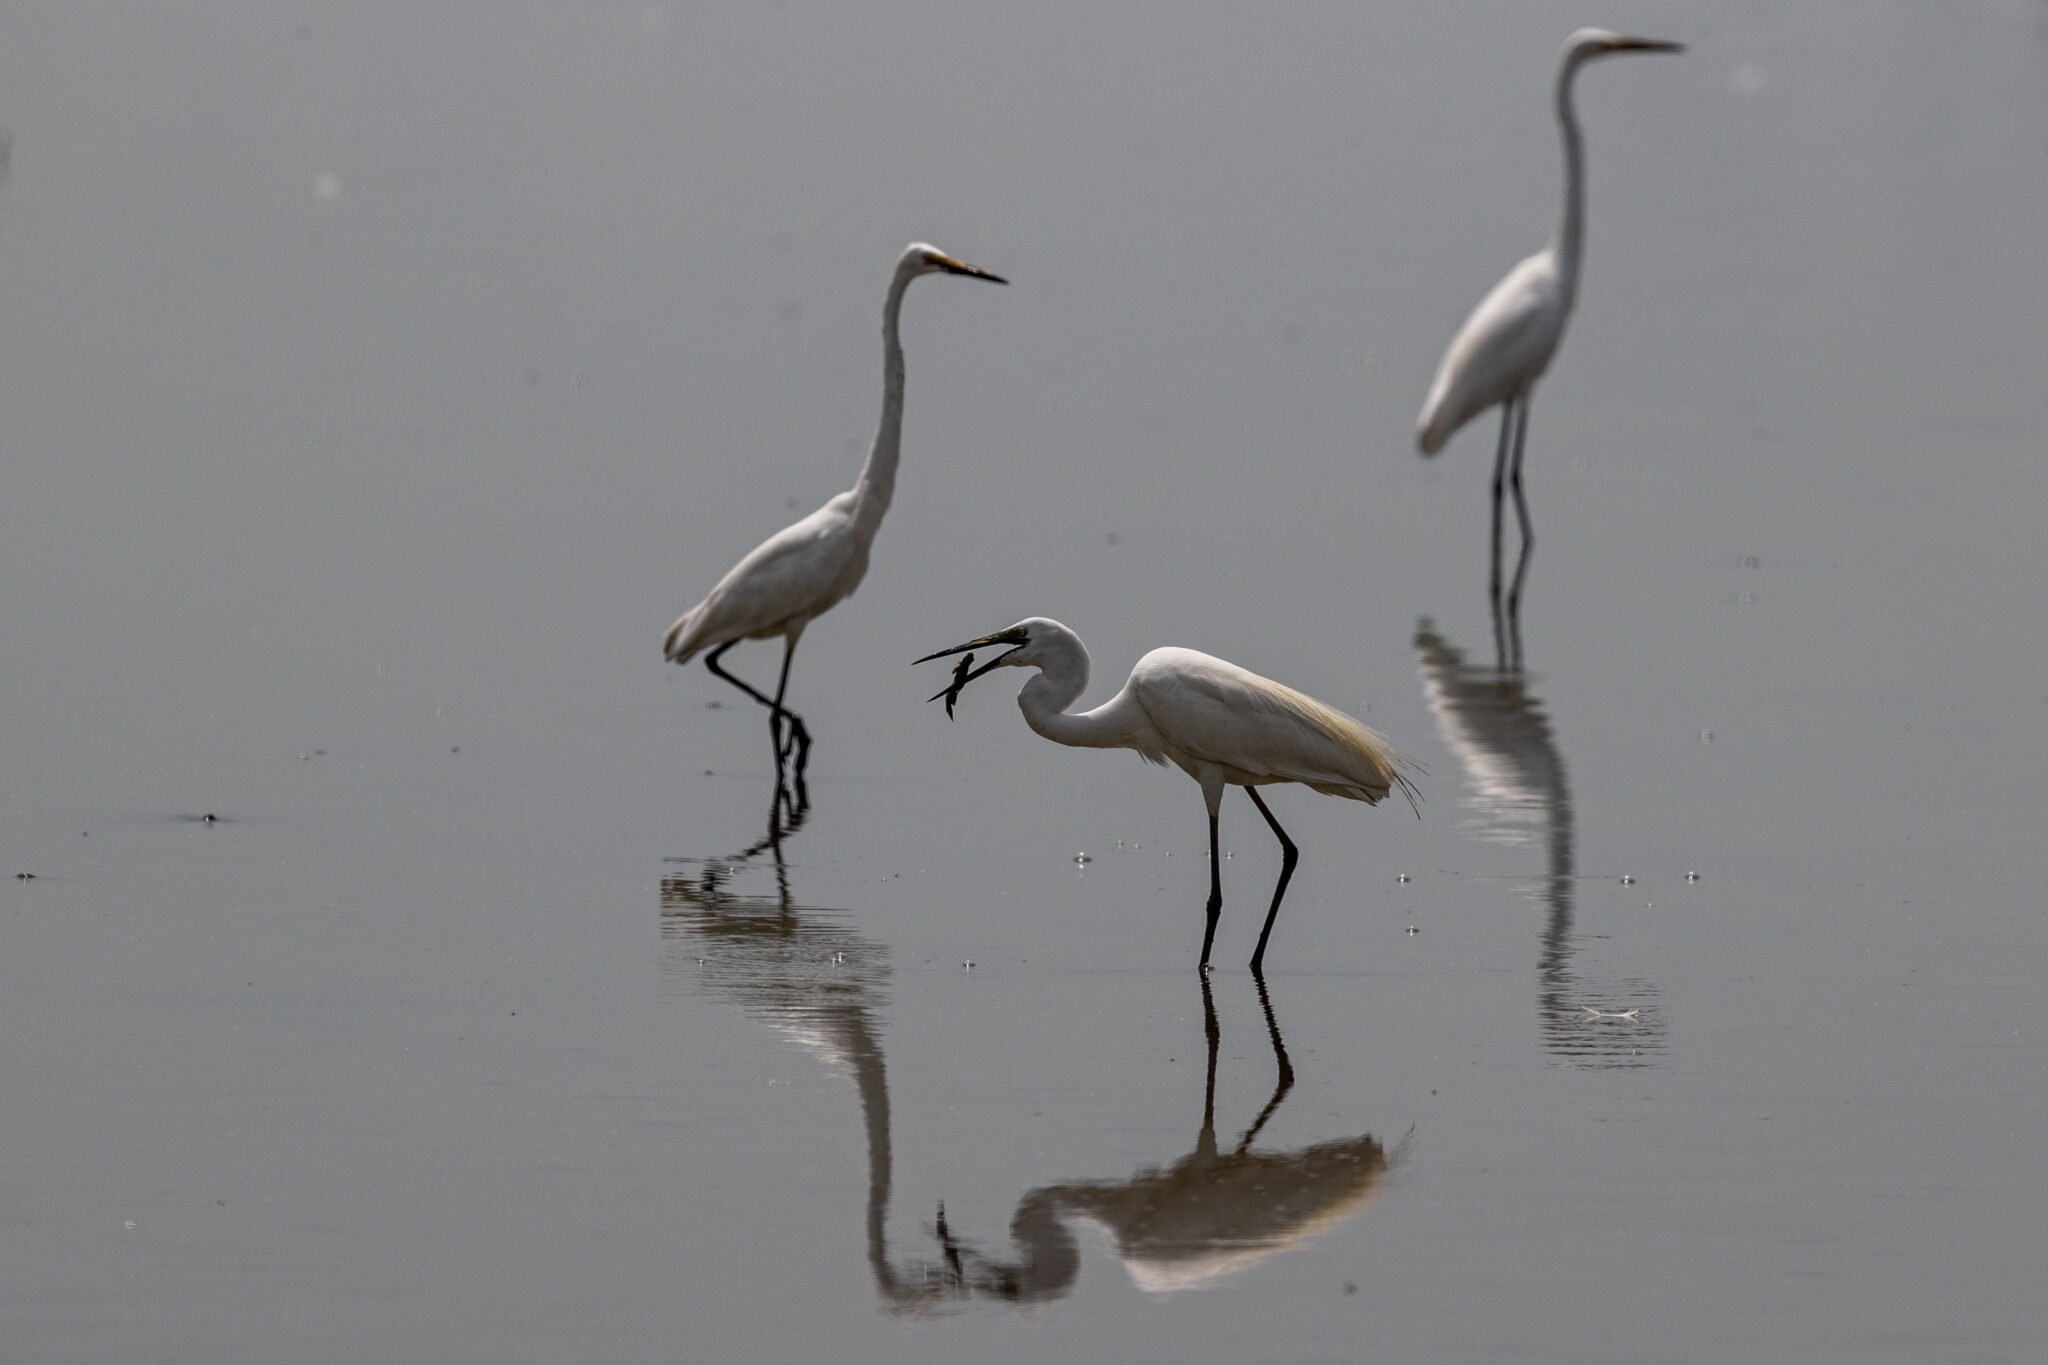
x=1517 y=795
x=1182 y=1225
x=1195 y=1221
x=814 y=979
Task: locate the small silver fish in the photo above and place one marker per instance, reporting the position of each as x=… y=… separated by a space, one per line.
x=952 y=694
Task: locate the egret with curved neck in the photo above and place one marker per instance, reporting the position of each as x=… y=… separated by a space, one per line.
x=1222 y=725
x=1507 y=343
x=805 y=569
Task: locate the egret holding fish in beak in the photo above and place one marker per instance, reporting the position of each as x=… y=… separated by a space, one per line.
x=1220 y=724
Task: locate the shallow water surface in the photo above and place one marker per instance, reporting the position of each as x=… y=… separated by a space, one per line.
x=375 y=389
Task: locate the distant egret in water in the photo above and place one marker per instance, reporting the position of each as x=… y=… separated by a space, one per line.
x=805 y=569
x=1508 y=342
x=1220 y=724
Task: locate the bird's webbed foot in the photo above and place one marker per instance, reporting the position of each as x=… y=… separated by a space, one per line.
x=797 y=743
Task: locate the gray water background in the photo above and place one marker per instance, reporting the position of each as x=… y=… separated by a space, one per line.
x=377 y=383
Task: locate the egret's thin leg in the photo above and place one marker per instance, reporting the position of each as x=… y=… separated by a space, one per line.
x=1515 y=478
x=774 y=705
x=1502 y=658
x=711 y=662
x=1500 y=473
x=1215 y=892
x=1514 y=616
x=799 y=737
x=1289 y=855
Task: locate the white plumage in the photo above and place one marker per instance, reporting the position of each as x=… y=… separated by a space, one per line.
x=1220 y=724
x=795 y=575
x=804 y=570
x=1500 y=352
x=1507 y=343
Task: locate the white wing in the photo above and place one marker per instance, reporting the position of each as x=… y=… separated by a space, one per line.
x=782 y=583
x=1503 y=348
x=1212 y=711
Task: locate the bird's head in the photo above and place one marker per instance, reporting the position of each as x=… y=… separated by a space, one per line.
x=922 y=258
x=1589 y=43
x=1024 y=645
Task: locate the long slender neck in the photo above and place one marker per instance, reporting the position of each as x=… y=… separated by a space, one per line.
x=878 y=476
x=1570 y=242
x=1059 y=683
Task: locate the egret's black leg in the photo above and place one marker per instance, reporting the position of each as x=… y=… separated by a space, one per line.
x=799 y=737
x=1515 y=478
x=1502 y=657
x=1500 y=473
x=1514 y=615
x=1215 y=892
x=711 y=662
x=774 y=704
x=1289 y=855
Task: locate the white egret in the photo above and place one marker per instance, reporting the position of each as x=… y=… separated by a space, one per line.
x=1220 y=724
x=1508 y=341
x=805 y=569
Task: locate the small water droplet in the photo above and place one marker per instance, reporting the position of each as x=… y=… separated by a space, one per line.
x=1082 y=858
x=1628 y=881
x=1692 y=876
x=1402 y=878
x=839 y=957
x=208 y=818
x=1413 y=931
x=1228 y=856
x=968 y=965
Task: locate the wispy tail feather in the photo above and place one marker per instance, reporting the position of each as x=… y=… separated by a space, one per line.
x=1434 y=429
x=675 y=648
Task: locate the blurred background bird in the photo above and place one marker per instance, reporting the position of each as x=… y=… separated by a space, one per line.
x=1507 y=343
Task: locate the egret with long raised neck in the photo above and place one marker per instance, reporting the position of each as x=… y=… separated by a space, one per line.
x=804 y=570
x=1222 y=725
x=1507 y=343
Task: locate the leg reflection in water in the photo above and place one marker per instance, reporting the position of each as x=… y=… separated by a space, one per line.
x=1192 y=1222
x=1517 y=795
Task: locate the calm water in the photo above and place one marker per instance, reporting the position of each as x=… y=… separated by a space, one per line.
x=375 y=387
